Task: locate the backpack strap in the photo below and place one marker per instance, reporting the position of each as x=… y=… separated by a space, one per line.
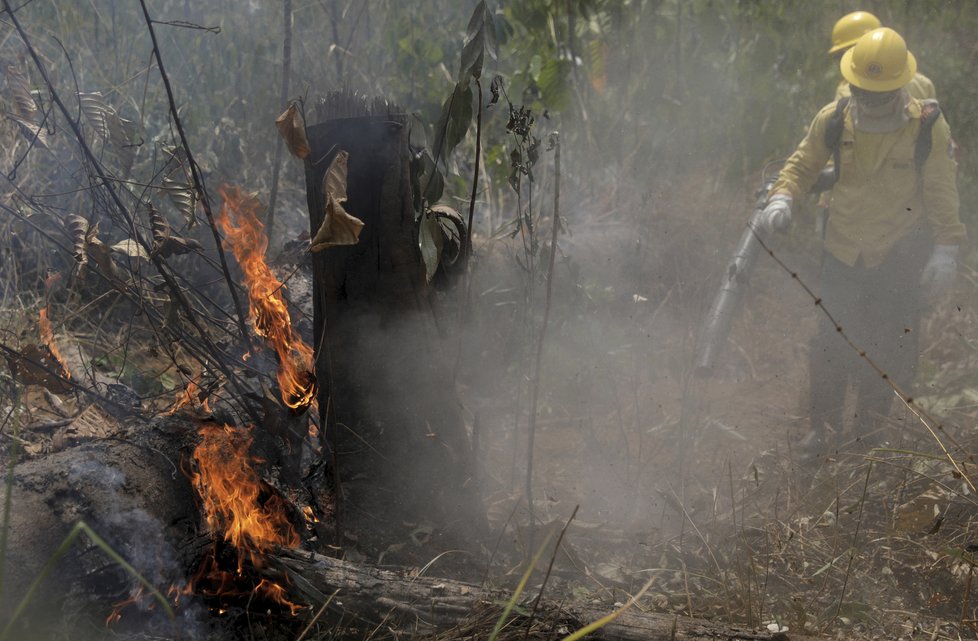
x=930 y=111
x=833 y=133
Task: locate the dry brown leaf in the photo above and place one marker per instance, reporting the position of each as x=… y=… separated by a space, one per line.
x=293 y=130
x=79 y=228
x=339 y=227
x=24 y=106
x=101 y=255
x=159 y=227
x=176 y=245
x=131 y=248
x=92 y=423
x=36 y=365
x=180 y=192
x=334 y=180
x=94 y=107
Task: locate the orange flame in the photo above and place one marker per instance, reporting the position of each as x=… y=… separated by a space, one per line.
x=246 y=238
x=117 y=608
x=189 y=397
x=47 y=338
x=230 y=490
x=235 y=506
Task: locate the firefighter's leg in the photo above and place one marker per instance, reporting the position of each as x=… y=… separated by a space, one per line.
x=892 y=308
x=829 y=357
x=828 y=382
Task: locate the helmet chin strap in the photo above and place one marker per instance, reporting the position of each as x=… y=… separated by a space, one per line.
x=879 y=112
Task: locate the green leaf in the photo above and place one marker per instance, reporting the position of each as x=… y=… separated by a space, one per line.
x=454 y=121
x=480 y=39
x=552 y=81
x=430 y=241
x=427 y=182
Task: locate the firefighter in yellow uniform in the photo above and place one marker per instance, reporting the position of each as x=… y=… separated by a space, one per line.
x=847 y=30
x=892 y=237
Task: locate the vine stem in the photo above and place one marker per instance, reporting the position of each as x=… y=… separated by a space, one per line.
x=535 y=385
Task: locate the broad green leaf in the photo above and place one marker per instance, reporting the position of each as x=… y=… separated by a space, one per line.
x=454 y=121
x=432 y=179
x=430 y=241
x=553 y=84
x=427 y=183
x=480 y=39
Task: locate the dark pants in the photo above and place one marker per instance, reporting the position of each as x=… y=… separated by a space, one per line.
x=879 y=309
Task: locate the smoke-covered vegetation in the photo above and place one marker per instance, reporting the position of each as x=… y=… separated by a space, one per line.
x=666 y=112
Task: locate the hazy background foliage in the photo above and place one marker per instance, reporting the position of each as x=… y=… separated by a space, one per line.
x=641 y=89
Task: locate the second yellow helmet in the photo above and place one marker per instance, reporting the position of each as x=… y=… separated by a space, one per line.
x=850 y=27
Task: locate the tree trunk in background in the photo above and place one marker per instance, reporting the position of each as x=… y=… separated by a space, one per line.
x=399 y=450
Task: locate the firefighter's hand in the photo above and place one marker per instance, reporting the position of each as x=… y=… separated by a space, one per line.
x=940 y=269
x=776 y=214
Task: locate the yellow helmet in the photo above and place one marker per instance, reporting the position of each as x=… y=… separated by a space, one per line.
x=879 y=61
x=850 y=27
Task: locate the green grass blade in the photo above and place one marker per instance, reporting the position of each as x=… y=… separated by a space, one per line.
x=80 y=528
x=8 y=501
x=605 y=620
x=518 y=591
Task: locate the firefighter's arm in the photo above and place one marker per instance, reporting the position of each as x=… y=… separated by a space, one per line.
x=940 y=188
x=803 y=166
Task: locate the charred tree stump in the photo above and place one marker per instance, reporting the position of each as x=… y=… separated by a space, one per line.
x=400 y=454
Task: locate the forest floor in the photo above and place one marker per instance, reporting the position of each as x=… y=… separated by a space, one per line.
x=698 y=482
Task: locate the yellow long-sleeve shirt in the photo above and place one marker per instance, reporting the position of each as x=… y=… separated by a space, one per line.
x=880 y=196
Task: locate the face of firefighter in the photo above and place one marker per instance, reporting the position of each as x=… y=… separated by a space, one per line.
x=873 y=100
x=878 y=111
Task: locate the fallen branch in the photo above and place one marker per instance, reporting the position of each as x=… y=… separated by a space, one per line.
x=370 y=596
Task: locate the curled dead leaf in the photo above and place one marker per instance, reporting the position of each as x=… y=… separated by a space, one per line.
x=178 y=189
x=36 y=365
x=24 y=107
x=101 y=255
x=339 y=227
x=292 y=127
x=78 y=228
x=176 y=245
x=159 y=227
x=130 y=247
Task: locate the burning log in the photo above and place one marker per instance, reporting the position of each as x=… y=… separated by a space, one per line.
x=132 y=491
x=129 y=489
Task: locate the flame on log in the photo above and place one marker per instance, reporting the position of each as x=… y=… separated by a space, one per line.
x=245 y=237
x=239 y=508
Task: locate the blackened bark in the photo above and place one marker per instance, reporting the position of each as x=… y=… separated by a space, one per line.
x=399 y=449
